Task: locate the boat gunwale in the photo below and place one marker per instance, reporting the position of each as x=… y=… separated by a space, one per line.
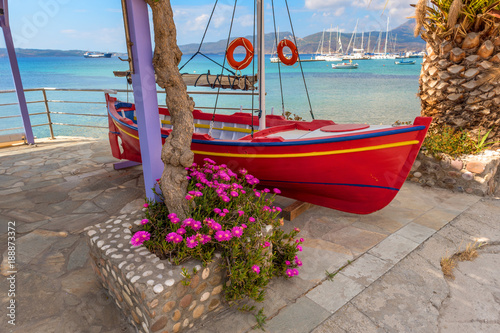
x=293 y=142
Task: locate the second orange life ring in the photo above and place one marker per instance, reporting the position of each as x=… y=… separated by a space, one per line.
x=295 y=54
x=239 y=65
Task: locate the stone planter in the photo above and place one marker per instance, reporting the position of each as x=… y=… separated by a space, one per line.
x=473 y=174
x=149 y=291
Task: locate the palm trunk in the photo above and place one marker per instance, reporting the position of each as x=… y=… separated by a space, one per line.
x=454 y=85
x=176 y=152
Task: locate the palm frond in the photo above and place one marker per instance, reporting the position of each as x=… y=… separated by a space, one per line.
x=420 y=14
x=453 y=13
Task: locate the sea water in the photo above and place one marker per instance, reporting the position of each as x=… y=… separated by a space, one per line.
x=377 y=92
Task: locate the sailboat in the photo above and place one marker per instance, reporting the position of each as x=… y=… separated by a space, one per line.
x=356 y=168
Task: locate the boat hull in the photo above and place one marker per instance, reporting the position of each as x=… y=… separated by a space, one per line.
x=356 y=173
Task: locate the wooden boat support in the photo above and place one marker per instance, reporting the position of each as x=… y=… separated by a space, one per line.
x=243 y=82
x=235 y=82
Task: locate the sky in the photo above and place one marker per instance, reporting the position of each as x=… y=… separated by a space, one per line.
x=97 y=25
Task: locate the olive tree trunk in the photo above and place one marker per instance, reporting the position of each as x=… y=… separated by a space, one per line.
x=176 y=152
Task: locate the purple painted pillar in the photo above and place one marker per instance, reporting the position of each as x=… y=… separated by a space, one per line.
x=146 y=102
x=16 y=74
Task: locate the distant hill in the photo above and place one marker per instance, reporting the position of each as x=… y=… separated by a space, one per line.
x=307 y=45
x=46 y=53
x=405 y=41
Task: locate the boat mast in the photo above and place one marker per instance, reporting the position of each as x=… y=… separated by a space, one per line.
x=261 y=64
x=362 y=39
x=386 y=34
x=379 y=40
x=330 y=42
x=368 y=44
x=352 y=37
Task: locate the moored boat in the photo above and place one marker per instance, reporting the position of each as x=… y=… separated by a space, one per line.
x=349 y=167
x=405 y=62
x=97 y=55
x=345 y=65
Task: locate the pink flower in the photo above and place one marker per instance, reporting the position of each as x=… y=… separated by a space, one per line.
x=196 y=225
x=146 y=205
x=175 y=220
x=170 y=237
x=256 y=269
x=299 y=248
x=266 y=244
x=287 y=263
x=237 y=232
x=243 y=171
x=205 y=239
x=276 y=190
x=298 y=261
x=241 y=213
x=144 y=221
x=217 y=211
x=295 y=271
x=225 y=198
x=216 y=226
x=178 y=239
x=257 y=193
x=278 y=209
x=181 y=231
x=191 y=242
x=296 y=229
x=244 y=226
x=289 y=272
x=302 y=240
x=139 y=238
x=228 y=235
x=267 y=190
x=220 y=236
x=225 y=211
x=209 y=161
x=243 y=191
x=172 y=216
x=251 y=219
x=189 y=197
x=234 y=193
x=187 y=222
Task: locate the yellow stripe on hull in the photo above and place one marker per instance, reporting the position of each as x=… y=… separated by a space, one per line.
x=320 y=153
x=122 y=130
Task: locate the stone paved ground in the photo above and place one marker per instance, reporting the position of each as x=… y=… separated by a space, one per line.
x=53 y=191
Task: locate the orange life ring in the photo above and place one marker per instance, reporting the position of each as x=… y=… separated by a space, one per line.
x=239 y=65
x=295 y=54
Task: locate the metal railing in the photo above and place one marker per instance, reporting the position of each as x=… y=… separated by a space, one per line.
x=46 y=101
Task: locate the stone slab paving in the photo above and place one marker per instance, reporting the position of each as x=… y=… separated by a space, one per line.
x=57 y=189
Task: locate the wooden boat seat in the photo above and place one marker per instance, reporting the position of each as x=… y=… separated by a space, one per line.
x=343 y=127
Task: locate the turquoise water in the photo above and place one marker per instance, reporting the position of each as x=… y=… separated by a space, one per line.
x=377 y=92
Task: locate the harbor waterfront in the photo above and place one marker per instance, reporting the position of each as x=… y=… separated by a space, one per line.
x=377 y=92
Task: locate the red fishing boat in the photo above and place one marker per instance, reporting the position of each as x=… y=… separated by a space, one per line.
x=349 y=167
x=355 y=168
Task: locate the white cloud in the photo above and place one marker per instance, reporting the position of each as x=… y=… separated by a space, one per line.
x=68 y=31
x=339 y=11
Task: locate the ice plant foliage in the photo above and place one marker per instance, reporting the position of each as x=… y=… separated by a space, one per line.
x=230 y=216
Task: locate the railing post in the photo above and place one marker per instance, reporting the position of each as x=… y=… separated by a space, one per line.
x=49 y=120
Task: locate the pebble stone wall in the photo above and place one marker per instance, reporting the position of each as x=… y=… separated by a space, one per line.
x=149 y=291
x=473 y=174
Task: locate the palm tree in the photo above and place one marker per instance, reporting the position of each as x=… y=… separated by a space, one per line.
x=459 y=80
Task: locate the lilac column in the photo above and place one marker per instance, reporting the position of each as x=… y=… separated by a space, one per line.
x=146 y=103
x=4 y=23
